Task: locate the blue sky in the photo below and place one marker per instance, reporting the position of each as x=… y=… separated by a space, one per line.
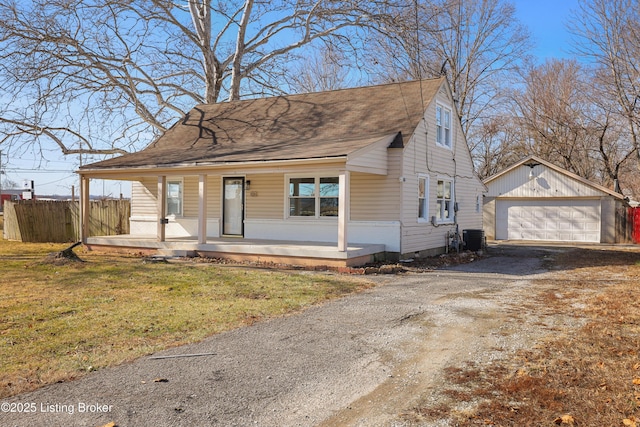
x=546 y=19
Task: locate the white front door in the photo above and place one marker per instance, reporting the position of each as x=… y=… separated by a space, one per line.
x=563 y=220
x=233 y=207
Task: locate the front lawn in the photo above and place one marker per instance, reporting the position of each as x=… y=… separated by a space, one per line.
x=58 y=322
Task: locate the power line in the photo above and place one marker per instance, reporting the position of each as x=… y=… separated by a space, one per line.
x=40 y=170
x=53 y=182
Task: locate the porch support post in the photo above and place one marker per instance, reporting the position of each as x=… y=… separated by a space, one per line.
x=84 y=208
x=162 y=207
x=202 y=209
x=343 y=210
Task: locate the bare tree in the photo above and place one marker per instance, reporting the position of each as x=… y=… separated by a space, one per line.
x=552 y=111
x=325 y=69
x=8 y=183
x=254 y=34
x=496 y=144
x=608 y=33
x=477 y=43
x=105 y=76
x=565 y=117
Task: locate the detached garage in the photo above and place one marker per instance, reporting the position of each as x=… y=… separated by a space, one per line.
x=536 y=200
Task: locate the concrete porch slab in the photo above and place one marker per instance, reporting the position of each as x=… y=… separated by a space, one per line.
x=278 y=251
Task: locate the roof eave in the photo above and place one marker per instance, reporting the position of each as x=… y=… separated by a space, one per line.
x=195 y=166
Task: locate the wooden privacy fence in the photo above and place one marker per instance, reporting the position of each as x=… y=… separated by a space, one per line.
x=627 y=225
x=634 y=219
x=59 y=221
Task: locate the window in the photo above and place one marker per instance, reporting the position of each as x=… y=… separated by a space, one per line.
x=313 y=196
x=443 y=126
x=302 y=199
x=174 y=198
x=444 y=201
x=329 y=189
x=423 y=202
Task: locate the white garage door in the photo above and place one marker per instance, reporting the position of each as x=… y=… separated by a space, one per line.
x=551 y=220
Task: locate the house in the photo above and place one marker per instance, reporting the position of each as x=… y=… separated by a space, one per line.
x=341 y=177
x=537 y=200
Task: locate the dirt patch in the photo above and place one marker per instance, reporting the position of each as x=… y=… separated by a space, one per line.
x=55 y=258
x=582 y=370
x=416 y=265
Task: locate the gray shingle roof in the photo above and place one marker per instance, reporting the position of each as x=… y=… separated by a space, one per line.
x=305 y=126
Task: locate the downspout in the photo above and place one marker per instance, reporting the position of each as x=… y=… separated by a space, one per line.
x=402 y=190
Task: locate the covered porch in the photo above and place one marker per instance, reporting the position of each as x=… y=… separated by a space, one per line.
x=297 y=210
x=285 y=211
x=253 y=250
x=226 y=231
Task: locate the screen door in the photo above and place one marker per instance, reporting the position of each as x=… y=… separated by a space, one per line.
x=233 y=207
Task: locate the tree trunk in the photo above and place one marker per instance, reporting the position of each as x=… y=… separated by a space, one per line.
x=63 y=256
x=236 y=72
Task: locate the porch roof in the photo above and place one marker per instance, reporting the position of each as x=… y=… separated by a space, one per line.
x=321 y=125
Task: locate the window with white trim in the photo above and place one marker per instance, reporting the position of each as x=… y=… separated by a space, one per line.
x=313 y=196
x=174 y=197
x=443 y=126
x=444 y=201
x=423 y=199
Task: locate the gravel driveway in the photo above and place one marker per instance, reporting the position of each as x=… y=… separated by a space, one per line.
x=359 y=360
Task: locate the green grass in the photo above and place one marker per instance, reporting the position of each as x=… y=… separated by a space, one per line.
x=58 y=322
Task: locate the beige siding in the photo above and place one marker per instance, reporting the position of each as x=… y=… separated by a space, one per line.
x=469 y=199
x=423 y=157
x=374 y=161
x=371 y=159
x=190 y=196
x=143 y=197
x=214 y=188
x=266 y=196
x=377 y=197
x=489 y=217
x=267 y=186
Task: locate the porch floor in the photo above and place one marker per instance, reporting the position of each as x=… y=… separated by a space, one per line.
x=240 y=249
